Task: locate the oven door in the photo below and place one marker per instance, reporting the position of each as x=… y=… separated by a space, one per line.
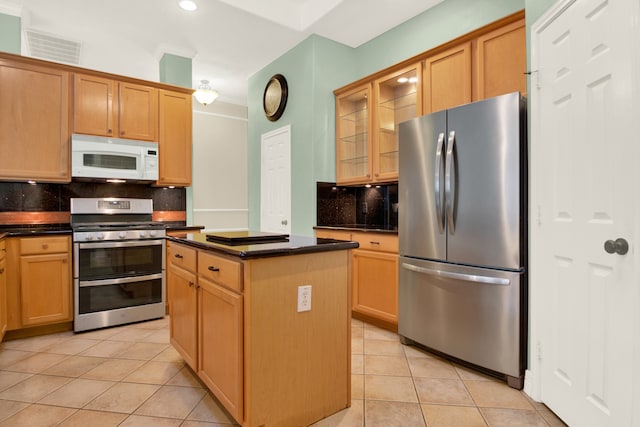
x=112 y=294
x=118 y=282
x=110 y=260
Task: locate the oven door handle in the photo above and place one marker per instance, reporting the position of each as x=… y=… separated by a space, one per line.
x=120 y=244
x=118 y=281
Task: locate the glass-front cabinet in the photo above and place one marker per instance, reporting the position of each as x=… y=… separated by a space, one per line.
x=397 y=99
x=353 y=146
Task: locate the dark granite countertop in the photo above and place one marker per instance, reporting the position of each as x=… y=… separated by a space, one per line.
x=358 y=227
x=293 y=246
x=33 y=229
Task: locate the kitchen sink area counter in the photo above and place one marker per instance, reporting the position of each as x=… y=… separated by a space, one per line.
x=266 y=326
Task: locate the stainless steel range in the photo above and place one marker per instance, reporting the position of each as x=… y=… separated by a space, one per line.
x=118 y=264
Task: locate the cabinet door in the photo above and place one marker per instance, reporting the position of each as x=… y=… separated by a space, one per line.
x=353 y=145
x=34 y=120
x=501 y=58
x=447 y=79
x=375 y=285
x=45 y=285
x=138 y=112
x=93 y=105
x=398 y=98
x=221 y=346
x=3 y=297
x=183 y=306
x=175 y=139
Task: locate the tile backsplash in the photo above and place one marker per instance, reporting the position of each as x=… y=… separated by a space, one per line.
x=375 y=206
x=23 y=197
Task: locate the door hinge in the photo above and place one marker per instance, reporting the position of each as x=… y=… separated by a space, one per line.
x=539 y=215
x=539 y=351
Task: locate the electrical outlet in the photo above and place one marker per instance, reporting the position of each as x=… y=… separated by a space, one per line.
x=304 y=298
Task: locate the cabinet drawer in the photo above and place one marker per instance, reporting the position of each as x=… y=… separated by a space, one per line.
x=376 y=241
x=182 y=256
x=334 y=234
x=43 y=245
x=220 y=270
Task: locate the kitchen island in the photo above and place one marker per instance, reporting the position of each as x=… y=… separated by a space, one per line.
x=266 y=326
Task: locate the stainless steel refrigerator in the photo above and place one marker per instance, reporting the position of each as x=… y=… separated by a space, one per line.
x=462 y=229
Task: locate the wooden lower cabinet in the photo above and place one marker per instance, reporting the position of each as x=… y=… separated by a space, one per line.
x=375 y=285
x=265 y=362
x=374 y=275
x=39 y=285
x=220 y=335
x=3 y=290
x=184 y=315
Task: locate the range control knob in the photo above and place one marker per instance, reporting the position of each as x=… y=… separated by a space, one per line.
x=89 y=236
x=99 y=236
x=122 y=234
x=143 y=234
x=152 y=233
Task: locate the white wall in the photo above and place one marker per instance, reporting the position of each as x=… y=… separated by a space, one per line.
x=219 y=195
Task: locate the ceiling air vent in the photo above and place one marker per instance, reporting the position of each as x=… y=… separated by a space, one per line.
x=52 y=48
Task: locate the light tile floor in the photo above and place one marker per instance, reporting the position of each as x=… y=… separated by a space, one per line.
x=130 y=376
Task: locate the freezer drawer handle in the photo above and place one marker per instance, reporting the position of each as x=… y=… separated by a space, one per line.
x=458 y=276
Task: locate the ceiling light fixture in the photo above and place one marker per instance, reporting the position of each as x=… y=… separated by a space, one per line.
x=188 y=5
x=205 y=95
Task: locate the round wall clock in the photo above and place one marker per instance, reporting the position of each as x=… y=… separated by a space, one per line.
x=274 y=99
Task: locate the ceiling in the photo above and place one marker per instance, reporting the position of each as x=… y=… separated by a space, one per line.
x=228 y=40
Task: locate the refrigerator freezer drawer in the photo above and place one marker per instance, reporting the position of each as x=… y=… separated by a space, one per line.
x=472 y=314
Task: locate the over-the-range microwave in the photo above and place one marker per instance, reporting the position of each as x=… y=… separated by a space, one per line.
x=99 y=157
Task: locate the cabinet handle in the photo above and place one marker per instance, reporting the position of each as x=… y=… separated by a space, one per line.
x=375 y=243
x=178 y=256
x=1 y=270
x=190 y=283
x=212 y=268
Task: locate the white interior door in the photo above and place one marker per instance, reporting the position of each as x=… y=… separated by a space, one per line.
x=584 y=193
x=275 y=183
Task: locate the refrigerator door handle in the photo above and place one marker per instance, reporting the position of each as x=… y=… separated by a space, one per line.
x=449 y=176
x=458 y=276
x=438 y=180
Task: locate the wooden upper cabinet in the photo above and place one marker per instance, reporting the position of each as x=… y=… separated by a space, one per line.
x=353 y=143
x=34 y=117
x=93 y=105
x=138 y=112
x=501 y=61
x=175 y=139
x=398 y=97
x=447 y=79
x=106 y=107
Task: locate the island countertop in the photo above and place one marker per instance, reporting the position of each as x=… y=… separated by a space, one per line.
x=292 y=246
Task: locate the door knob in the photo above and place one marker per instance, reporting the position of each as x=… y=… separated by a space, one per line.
x=284 y=222
x=619 y=246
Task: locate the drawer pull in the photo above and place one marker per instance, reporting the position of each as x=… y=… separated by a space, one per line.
x=1 y=270
x=375 y=243
x=178 y=256
x=212 y=268
x=45 y=246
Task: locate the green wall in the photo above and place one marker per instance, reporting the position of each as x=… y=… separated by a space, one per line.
x=316 y=67
x=312 y=73
x=10 y=33
x=175 y=70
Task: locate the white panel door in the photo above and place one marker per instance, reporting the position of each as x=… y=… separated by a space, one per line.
x=275 y=183
x=585 y=192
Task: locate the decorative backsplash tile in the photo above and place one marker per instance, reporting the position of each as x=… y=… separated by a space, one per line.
x=375 y=206
x=17 y=197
